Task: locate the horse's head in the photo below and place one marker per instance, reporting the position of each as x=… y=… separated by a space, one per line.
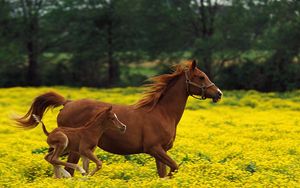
x=111 y=121
x=198 y=83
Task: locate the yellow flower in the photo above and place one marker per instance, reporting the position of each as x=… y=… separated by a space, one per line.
x=249 y=139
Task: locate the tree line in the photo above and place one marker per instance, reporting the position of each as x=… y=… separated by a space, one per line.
x=240 y=44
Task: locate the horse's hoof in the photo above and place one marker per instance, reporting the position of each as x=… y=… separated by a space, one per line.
x=170 y=175
x=83 y=173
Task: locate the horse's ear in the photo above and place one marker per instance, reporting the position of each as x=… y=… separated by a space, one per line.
x=193 y=65
x=109 y=108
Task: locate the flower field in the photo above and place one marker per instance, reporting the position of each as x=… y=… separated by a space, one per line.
x=248 y=139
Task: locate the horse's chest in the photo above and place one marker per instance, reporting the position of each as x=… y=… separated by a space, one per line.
x=169 y=144
x=168 y=139
x=159 y=134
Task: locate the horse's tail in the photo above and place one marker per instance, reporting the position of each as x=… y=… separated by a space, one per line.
x=38 y=107
x=38 y=120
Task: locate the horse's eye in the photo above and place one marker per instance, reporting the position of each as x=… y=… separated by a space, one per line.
x=202 y=78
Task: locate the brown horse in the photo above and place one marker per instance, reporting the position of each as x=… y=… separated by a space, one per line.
x=151 y=122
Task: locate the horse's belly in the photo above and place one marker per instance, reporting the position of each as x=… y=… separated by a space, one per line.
x=122 y=147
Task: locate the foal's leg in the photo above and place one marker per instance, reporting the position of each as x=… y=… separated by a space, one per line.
x=89 y=154
x=56 y=168
x=60 y=172
x=58 y=149
x=64 y=173
x=160 y=154
x=85 y=163
x=161 y=168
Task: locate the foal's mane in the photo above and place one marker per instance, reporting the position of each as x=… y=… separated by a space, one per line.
x=155 y=90
x=99 y=116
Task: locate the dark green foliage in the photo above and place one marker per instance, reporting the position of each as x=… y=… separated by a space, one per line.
x=251 y=167
x=240 y=44
x=203 y=156
x=42 y=150
x=121 y=175
x=136 y=159
x=35 y=171
x=260 y=76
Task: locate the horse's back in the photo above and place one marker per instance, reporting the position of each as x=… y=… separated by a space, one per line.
x=77 y=113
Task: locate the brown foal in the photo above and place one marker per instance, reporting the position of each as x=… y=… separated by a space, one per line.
x=81 y=140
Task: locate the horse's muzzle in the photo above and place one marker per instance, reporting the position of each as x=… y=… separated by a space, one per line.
x=217 y=96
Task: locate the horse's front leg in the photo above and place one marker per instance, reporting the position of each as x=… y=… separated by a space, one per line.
x=90 y=155
x=85 y=162
x=161 y=168
x=160 y=155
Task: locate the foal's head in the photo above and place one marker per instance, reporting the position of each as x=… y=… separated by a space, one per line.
x=198 y=83
x=109 y=120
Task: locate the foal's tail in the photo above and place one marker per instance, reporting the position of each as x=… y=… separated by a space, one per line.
x=38 y=107
x=38 y=120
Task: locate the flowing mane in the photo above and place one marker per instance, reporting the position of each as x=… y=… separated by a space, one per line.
x=159 y=85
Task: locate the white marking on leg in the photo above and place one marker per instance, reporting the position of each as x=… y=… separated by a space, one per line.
x=65 y=173
x=57 y=173
x=81 y=170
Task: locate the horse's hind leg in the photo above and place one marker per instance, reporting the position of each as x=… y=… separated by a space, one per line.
x=56 y=170
x=59 y=172
x=59 y=141
x=55 y=160
x=64 y=173
x=72 y=158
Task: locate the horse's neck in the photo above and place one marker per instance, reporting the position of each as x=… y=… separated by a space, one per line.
x=174 y=100
x=95 y=128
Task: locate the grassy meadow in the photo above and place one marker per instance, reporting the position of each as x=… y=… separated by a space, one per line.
x=248 y=139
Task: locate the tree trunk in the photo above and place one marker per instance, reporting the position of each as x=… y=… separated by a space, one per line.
x=113 y=66
x=207 y=60
x=205 y=19
x=32 y=67
x=32 y=51
x=30 y=10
